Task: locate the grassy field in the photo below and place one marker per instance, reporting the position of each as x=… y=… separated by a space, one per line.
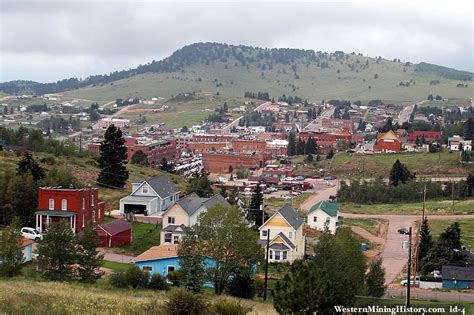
x=276 y=203
x=447 y=102
x=145 y=235
x=358 y=165
x=432 y=207
x=370 y=225
x=115 y=266
x=467 y=229
x=21 y=296
x=335 y=82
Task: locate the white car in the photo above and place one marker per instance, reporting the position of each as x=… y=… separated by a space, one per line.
x=413 y=283
x=31 y=233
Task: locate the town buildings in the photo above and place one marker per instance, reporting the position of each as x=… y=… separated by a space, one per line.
x=106 y=122
x=388 y=142
x=75 y=206
x=115 y=233
x=222 y=162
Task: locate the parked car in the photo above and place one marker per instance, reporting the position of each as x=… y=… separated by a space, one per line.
x=286 y=196
x=332 y=198
x=329 y=177
x=31 y=234
x=403 y=231
x=414 y=282
x=299 y=178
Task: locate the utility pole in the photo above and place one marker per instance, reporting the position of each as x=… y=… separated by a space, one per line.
x=80 y=143
x=409 y=270
x=452 y=192
x=266 y=266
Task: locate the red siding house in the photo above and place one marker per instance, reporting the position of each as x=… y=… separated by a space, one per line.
x=115 y=233
x=76 y=206
x=388 y=142
x=429 y=136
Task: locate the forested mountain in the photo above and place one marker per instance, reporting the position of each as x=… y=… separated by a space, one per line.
x=263 y=59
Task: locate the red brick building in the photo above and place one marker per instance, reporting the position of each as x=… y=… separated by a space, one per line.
x=76 y=206
x=220 y=162
x=388 y=142
x=204 y=147
x=345 y=124
x=327 y=141
x=429 y=136
x=249 y=146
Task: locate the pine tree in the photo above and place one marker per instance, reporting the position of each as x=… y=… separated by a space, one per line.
x=191 y=263
x=21 y=199
x=291 y=144
x=11 y=255
x=426 y=243
x=113 y=157
x=375 y=279
x=57 y=252
x=330 y=155
x=89 y=260
x=139 y=158
x=223 y=191
x=469 y=129
x=255 y=214
x=27 y=165
x=399 y=173
x=300 y=147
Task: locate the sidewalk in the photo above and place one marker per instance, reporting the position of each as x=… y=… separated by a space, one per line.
x=124 y=259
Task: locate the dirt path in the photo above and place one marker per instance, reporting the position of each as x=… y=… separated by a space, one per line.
x=367 y=235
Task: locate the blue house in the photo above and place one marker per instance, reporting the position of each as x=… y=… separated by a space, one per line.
x=455 y=277
x=162 y=259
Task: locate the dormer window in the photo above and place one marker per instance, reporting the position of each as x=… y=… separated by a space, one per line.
x=145 y=189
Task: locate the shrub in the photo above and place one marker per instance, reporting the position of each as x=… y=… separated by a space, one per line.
x=176 y=277
x=224 y=306
x=241 y=285
x=259 y=285
x=182 y=302
x=157 y=282
x=136 y=277
x=118 y=280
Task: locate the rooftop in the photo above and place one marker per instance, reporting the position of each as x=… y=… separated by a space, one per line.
x=158 y=252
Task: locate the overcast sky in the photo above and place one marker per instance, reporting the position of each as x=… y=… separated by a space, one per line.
x=51 y=40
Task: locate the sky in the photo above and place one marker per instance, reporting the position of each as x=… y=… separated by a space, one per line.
x=46 y=41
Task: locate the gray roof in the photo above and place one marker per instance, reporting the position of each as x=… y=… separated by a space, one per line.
x=291 y=216
x=192 y=202
x=279 y=246
x=173 y=228
x=458 y=273
x=163 y=186
x=286 y=239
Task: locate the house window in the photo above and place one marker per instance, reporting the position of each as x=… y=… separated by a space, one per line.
x=64 y=204
x=167 y=237
x=98 y=212
x=290 y=235
x=93 y=216
x=285 y=255
x=83 y=202
x=92 y=202
x=145 y=189
x=277 y=255
x=264 y=233
x=171 y=268
x=83 y=220
x=51 y=204
x=147 y=268
x=315 y=219
x=271 y=254
x=175 y=239
x=171 y=220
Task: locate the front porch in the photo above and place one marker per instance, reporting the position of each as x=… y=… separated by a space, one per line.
x=47 y=217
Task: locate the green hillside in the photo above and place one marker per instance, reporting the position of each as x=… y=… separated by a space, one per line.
x=324 y=76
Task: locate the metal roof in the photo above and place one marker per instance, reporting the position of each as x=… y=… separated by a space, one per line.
x=331 y=208
x=291 y=216
x=137 y=199
x=56 y=213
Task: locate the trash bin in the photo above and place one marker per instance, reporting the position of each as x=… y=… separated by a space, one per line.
x=364 y=246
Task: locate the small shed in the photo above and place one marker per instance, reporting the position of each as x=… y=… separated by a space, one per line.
x=27 y=249
x=115 y=233
x=455 y=277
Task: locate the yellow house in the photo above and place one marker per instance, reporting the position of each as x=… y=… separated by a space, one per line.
x=286 y=232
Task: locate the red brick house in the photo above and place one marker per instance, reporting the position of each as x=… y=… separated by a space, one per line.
x=76 y=206
x=388 y=142
x=429 y=136
x=220 y=162
x=115 y=233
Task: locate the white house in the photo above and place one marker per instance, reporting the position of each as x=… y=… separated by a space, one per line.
x=325 y=214
x=185 y=213
x=285 y=229
x=150 y=196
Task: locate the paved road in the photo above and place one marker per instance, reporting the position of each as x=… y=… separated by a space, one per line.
x=393 y=255
x=405 y=113
x=432 y=295
x=117 y=257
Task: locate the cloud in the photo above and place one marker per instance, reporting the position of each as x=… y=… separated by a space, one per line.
x=51 y=40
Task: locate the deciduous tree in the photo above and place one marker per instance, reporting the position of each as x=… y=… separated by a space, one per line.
x=11 y=255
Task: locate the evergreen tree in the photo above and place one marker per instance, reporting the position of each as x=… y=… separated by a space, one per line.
x=311 y=146
x=399 y=173
x=470 y=185
x=191 y=263
x=426 y=243
x=330 y=154
x=139 y=158
x=11 y=255
x=21 y=199
x=375 y=279
x=89 y=260
x=223 y=191
x=57 y=252
x=300 y=147
x=242 y=284
x=255 y=214
x=469 y=129
x=309 y=158
x=292 y=144
x=113 y=157
x=200 y=184
x=234 y=194
x=27 y=165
